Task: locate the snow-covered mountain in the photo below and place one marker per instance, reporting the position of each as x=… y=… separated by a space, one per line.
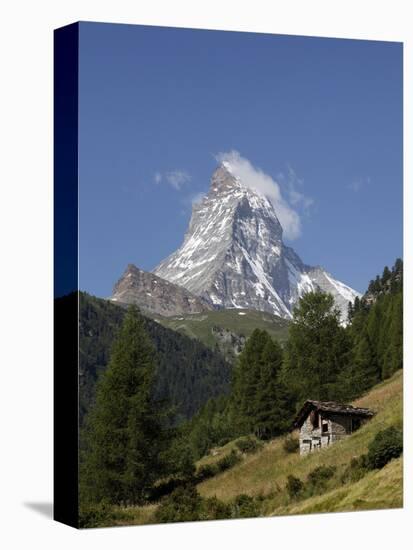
x=233 y=254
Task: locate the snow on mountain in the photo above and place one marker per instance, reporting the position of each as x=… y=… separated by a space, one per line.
x=233 y=254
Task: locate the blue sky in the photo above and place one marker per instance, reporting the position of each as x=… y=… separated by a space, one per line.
x=321 y=117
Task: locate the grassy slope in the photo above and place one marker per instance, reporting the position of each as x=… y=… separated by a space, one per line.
x=265 y=472
x=199 y=325
x=377 y=490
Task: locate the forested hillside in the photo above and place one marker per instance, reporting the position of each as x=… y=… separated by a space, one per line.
x=376 y=330
x=321 y=360
x=187 y=372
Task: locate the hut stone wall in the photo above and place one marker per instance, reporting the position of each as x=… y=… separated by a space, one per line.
x=328 y=429
x=322 y=423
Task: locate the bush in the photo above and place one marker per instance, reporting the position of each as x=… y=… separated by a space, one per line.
x=248 y=444
x=164 y=488
x=228 y=461
x=215 y=509
x=210 y=470
x=291 y=444
x=95 y=514
x=223 y=441
x=206 y=471
x=317 y=479
x=244 y=506
x=355 y=470
x=387 y=444
x=184 y=504
x=294 y=487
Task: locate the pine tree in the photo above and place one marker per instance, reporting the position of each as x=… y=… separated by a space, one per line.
x=366 y=372
x=317 y=349
x=385 y=278
x=376 y=332
x=246 y=379
x=273 y=409
x=123 y=442
x=395 y=355
x=259 y=401
x=377 y=286
x=396 y=281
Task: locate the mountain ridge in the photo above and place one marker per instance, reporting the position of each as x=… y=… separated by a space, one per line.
x=155 y=295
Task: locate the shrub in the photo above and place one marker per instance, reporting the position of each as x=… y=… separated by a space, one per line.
x=184 y=504
x=248 y=444
x=317 y=479
x=294 y=487
x=215 y=509
x=206 y=471
x=164 y=488
x=95 y=514
x=223 y=441
x=291 y=444
x=244 y=506
x=228 y=461
x=387 y=444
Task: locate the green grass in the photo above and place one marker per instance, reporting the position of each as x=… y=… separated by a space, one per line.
x=377 y=490
x=265 y=473
x=133 y=515
x=241 y=322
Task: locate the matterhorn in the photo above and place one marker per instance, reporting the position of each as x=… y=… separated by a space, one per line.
x=233 y=254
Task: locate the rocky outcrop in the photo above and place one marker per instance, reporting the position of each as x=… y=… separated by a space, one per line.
x=154 y=295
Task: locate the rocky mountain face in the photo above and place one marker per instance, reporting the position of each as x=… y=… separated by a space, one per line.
x=233 y=254
x=154 y=295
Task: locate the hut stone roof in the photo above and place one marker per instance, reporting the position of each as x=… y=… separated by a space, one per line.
x=331 y=407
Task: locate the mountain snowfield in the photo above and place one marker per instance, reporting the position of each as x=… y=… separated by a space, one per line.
x=233 y=254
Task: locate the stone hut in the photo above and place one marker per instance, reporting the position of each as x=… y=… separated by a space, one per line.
x=322 y=423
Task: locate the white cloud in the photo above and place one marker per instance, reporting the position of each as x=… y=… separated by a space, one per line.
x=175 y=178
x=258 y=180
x=293 y=185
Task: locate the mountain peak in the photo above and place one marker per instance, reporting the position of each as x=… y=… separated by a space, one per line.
x=233 y=254
x=223 y=179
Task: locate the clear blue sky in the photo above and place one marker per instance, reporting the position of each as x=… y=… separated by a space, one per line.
x=160 y=103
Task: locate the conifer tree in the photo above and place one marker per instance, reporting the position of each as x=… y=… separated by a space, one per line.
x=246 y=380
x=124 y=442
x=385 y=276
x=260 y=402
x=395 y=355
x=377 y=286
x=376 y=331
x=366 y=372
x=317 y=349
x=273 y=409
